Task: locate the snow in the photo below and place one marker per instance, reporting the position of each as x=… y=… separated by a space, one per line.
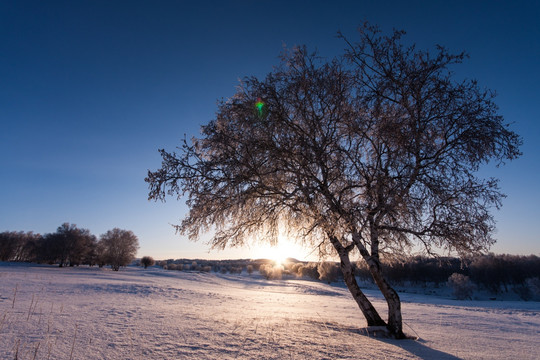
x=90 y=313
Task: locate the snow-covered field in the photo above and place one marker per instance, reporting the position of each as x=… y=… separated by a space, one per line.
x=90 y=313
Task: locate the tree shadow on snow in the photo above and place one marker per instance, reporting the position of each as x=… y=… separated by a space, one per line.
x=414 y=346
x=418 y=348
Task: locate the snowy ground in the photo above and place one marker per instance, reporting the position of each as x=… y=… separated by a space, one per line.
x=89 y=313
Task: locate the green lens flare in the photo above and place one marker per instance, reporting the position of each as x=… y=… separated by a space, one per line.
x=259 y=105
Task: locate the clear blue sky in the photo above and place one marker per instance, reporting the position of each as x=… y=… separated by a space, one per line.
x=89 y=90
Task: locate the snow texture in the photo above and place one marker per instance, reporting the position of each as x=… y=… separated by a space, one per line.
x=90 y=313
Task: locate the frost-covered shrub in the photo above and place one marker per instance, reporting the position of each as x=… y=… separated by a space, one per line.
x=461 y=285
x=328 y=271
x=249 y=269
x=294 y=269
x=147 y=261
x=271 y=272
x=308 y=270
x=277 y=272
x=265 y=270
x=207 y=268
x=236 y=270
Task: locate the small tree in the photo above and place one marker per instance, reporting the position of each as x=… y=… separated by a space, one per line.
x=147 y=261
x=375 y=151
x=119 y=247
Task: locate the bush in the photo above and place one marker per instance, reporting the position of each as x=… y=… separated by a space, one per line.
x=249 y=269
x=147 y=261
x=294 y=269
x=177 y=267
x=308 y=270
x=236 y=270
x=271 y=272
x=461 y=285
x=328 y=271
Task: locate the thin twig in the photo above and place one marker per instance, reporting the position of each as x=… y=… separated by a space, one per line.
x=30 y=308
x=14 y=296
x=35 y=352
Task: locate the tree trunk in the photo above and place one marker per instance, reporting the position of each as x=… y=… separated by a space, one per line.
x=370 y=313
x=395 y=322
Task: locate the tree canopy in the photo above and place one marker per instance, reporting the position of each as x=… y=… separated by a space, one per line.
x=118 y=247
x=376 y=150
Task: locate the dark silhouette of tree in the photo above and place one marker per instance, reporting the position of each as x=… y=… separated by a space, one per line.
x=18 y=246
x=69 y=245
x=147 y=261
x=27 y=250
x=376 y=151
x=8 y=244
x=118 y=247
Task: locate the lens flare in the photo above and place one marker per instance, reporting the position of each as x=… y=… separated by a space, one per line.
x=260 y=106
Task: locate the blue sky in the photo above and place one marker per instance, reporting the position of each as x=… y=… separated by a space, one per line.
x=89 y=90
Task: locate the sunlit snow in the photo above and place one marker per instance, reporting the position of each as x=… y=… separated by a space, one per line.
x=91 y=313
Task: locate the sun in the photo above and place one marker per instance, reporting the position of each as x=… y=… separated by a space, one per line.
x=281 y=251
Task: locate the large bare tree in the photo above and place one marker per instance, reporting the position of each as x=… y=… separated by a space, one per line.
x=375 y=151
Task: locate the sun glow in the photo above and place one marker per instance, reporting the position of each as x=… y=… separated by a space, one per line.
x=281 y=251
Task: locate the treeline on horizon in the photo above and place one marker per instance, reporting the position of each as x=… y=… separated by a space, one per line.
x=497 y=274
x=73 y=246
x=70 y=246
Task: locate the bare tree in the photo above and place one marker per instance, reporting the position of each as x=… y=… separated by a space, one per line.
x=118 y=247
x=376 y=151
x=69 y=245
x=18 y=246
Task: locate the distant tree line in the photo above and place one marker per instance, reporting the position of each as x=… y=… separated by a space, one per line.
x=494 y=273
x=203 y=265
x=70 y=246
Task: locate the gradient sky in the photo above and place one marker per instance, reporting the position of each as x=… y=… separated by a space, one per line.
x=89 y=90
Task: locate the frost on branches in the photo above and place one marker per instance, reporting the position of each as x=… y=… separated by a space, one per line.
x=373 y=152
